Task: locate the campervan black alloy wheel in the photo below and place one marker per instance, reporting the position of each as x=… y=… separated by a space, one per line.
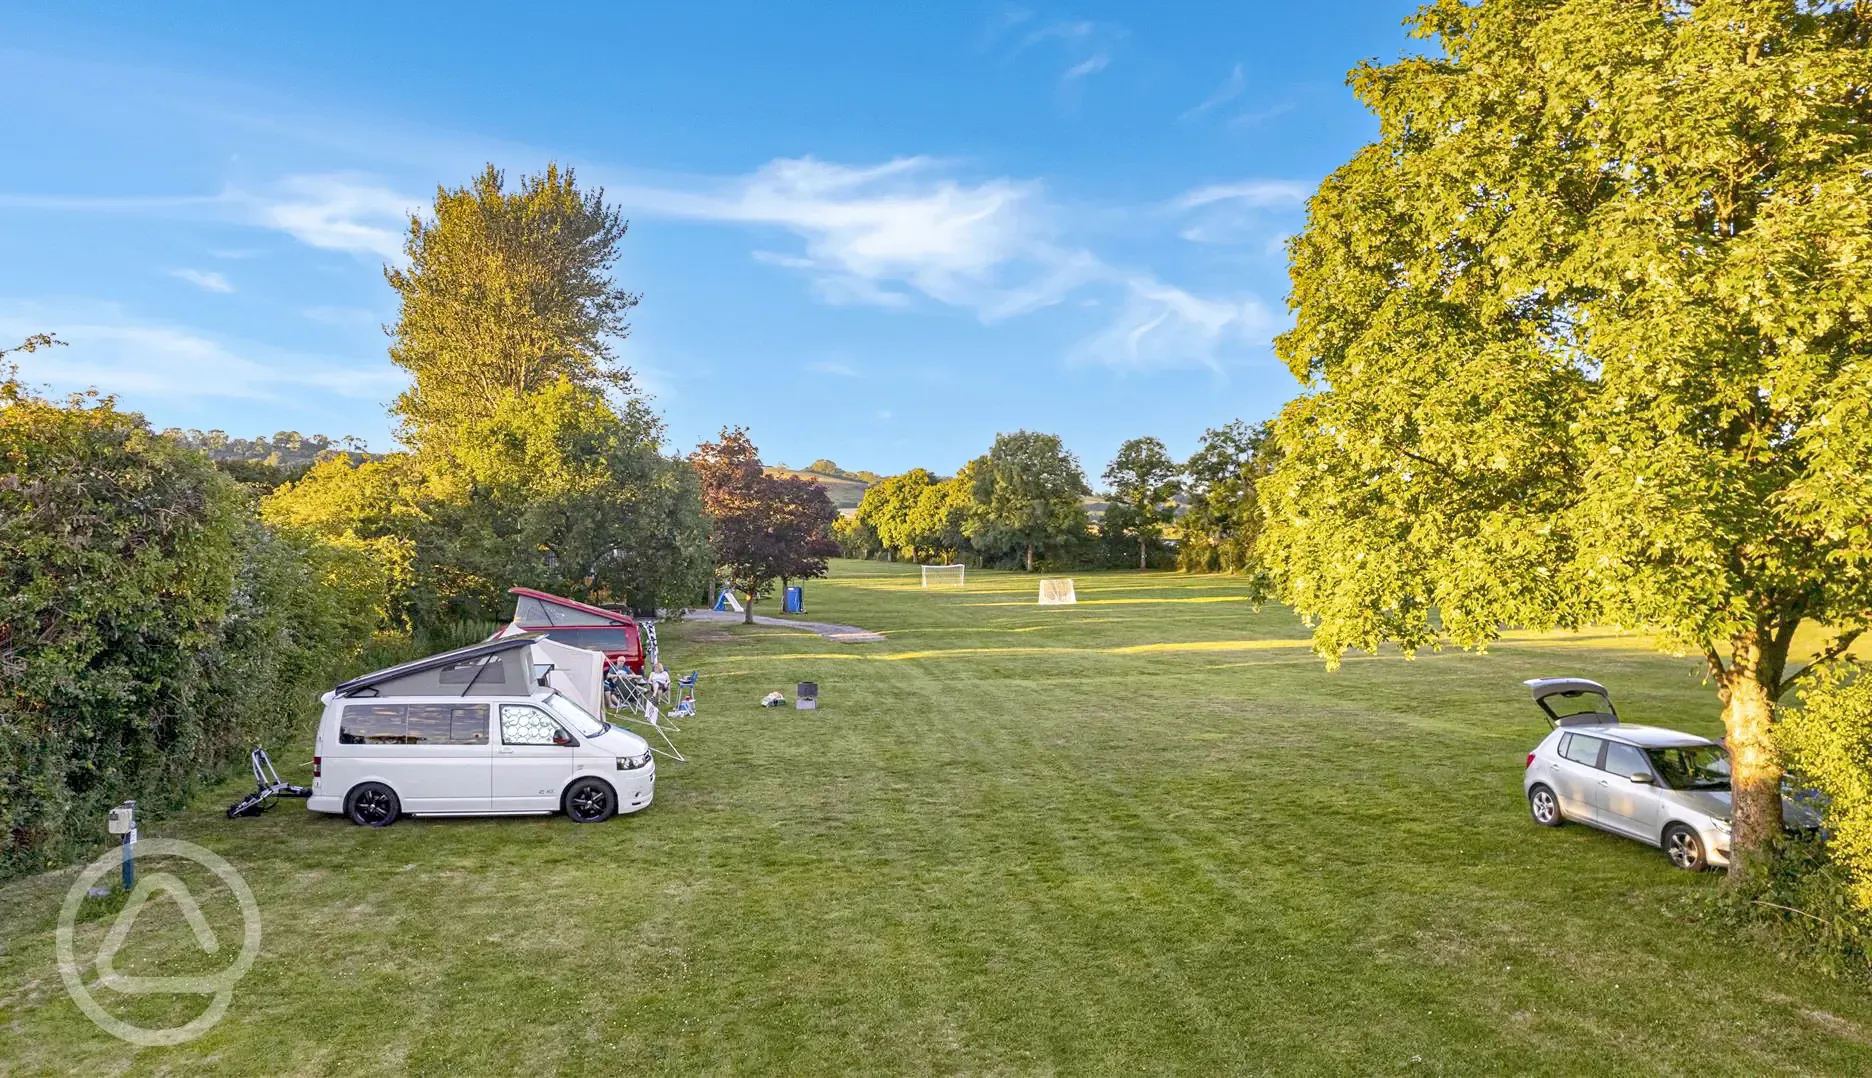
x=590 y=801
x=374 y=805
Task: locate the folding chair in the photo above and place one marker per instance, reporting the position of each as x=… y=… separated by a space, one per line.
x=626 y=690
x=268 y=785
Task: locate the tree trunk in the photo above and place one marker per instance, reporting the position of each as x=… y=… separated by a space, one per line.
x=1030 y=557
x=1748 y=689
x=1142 y=564
x=747 y=612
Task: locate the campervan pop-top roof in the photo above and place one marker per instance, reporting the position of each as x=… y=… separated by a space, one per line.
x=502 y=667
x=539 y=609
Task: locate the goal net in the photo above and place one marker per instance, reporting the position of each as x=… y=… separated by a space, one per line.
x=942 y=576
x=1057 y=592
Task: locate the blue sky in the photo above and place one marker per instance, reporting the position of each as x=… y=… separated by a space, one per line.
x=875 y=233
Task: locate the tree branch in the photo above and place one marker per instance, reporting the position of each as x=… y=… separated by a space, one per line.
x=1710 y=656
x=1841 y=645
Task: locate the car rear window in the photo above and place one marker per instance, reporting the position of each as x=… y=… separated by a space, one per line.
x=1581 y=749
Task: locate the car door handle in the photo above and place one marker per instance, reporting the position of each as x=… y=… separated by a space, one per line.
x=1553 y=767
x=506 y=752
x=1605 y=782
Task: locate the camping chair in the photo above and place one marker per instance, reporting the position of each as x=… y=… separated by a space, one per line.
x=268 y=786
x=625 y=689
x=654 y=720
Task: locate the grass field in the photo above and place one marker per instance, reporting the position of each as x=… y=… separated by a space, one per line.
x=1145 y=834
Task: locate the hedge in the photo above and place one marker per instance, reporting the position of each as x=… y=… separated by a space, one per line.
x=151 y=628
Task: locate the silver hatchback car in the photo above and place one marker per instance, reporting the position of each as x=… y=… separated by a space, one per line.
x=1662 y=787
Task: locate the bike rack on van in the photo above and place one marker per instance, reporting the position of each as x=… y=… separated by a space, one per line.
x=269 y=786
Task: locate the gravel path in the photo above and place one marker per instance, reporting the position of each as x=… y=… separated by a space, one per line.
x=844 y=634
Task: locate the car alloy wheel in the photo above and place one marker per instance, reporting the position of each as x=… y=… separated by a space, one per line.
x=1544 y=806
x=1684 y=848
x=590 y=801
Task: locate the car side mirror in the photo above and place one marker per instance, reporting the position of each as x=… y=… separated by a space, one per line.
x=563 y=738
x=1643 y=778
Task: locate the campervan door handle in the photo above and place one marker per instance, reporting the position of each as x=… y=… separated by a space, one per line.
x=505 y=751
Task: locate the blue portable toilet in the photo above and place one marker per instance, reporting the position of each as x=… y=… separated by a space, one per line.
x=795 y=601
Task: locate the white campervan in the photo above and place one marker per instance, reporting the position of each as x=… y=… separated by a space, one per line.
x=508 y=726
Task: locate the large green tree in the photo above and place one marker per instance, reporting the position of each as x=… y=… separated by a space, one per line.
x=1145 y=480
x=505 y=293
x=1585 y=337
x=1222 y=529
x=1027 y=495
x=889 y=507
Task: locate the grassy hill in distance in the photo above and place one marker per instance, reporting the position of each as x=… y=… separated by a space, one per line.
x=843 y=487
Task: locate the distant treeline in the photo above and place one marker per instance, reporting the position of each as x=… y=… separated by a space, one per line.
x=1026 y=503
x=267 y=462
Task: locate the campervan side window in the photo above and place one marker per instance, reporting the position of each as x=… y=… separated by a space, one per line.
x=414 y=724
x=448 y=724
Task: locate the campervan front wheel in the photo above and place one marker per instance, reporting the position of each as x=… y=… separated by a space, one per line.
x=590 y=801
x=373 y=805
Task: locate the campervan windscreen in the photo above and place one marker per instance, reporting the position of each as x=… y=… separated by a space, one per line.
x=580 y=720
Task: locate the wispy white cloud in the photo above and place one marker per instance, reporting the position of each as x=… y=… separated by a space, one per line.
x=1091 y=65
x=339 y=212
x=140 y=359
x=774 y=258
x=870 y=231
x=1246 y=192
x=1088 y=45
x=1237 y=213
x=839 y=370
x=1065 y=30
x=1257 y=116
x=1230 y=89
x=343 y=316
x=1003 y=22
x=910 y=228
x=207 y=281
x=1160 y=326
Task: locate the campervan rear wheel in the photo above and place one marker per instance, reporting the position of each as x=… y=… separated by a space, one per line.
x=590 y=801
x=374 y=805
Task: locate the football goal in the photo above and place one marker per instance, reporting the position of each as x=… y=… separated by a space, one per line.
x=1057 y=591
x=942 y=576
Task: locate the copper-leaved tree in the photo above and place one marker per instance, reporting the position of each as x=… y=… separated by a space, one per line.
x=763 y=528
x=1585 y=339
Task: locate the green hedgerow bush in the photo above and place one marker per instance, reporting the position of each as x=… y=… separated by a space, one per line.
x=151 y=628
